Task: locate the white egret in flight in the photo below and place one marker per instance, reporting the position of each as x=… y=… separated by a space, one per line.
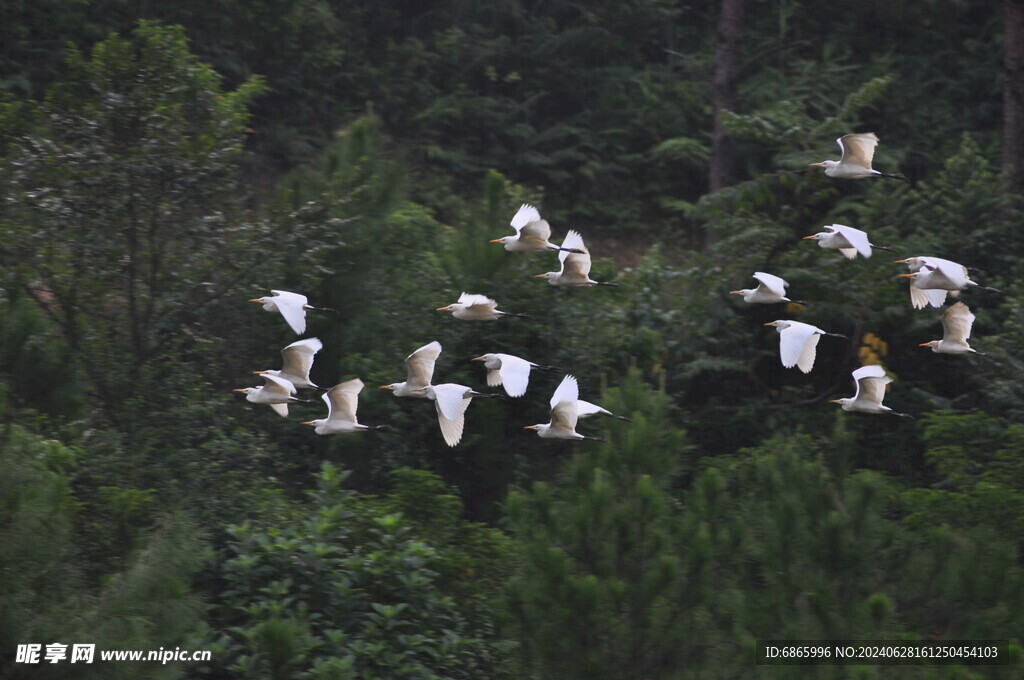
x=472 y=307
x=846 y=240
x=342 y=401
x=511 y=372
x=292 y=307
x=419 y=371
x=451 y=401
x=871 y=382
x=956 y=328
x=575 y=270
x=798 y=343
x=532 y=233
x=275 y=392
x=297 y=360
x=938 y=274
x=935 y=297
x=855 y=162
x=770 y=289
x=563 y=414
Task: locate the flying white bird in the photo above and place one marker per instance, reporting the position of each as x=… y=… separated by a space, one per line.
x=419 y=371
x=855 y=162
x=798 y=343
x=770 y=288
x=532 y=233
x=510 y=371
x=297 y=360
x=846 y=240
x=292 y=307
x=938 y=274
x=956 y=328
x=575 y=270
x=563 y=414
x=275 y=392
x=451 y=401
x=342 y=401
x=472 y=307
x=871 y=382
x=934 y=297
x=585 y=409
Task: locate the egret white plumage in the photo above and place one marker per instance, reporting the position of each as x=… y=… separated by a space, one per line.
x=938 y=274
x=770 y=289
x=275 y=393
x=575 y=270
x=871 y=382
x=510 y=372
x=342 y=401
x=532 y=233
x=846 y=240
x=919 y=297
x=419 y=371
x=451 y=401
x=855 y=162
x=292 y=307
x=471 y=307
x=297 y=360
x=956 y=328
x=585 y=409
x=563 y=413
x=798 y=343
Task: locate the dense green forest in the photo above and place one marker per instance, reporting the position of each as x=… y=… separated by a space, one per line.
x=165 y=163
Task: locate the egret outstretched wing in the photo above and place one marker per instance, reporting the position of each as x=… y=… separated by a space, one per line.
x=774 y=284
x=293 y=308
x=420 y=365
x=957 y=323
x=858 y=149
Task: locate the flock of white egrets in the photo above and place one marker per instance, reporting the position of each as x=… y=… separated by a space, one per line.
x=450 y=399
x=931 y=280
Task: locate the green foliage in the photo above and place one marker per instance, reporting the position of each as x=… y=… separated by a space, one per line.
x=118 y=201
x=346 y=592
x=46 y=597
x=600 y=589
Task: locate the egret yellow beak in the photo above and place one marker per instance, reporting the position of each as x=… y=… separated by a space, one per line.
x=443 y=309
x=540 y=276
x=735 y=292
x=808 y=238
x=258 y=372
x=384 y=387
x=906 y=276
x=477 y=359
x=833 y=401
x=770 y=323
x=308 y=422
x=530 y=427
x=816 y=165
x=900 y=261
x=495 y=240
x=240 y=389
x=255 y=299
x=925 y=344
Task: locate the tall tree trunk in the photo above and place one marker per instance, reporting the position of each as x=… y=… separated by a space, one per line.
x=1013 y=94
x=723 y=95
